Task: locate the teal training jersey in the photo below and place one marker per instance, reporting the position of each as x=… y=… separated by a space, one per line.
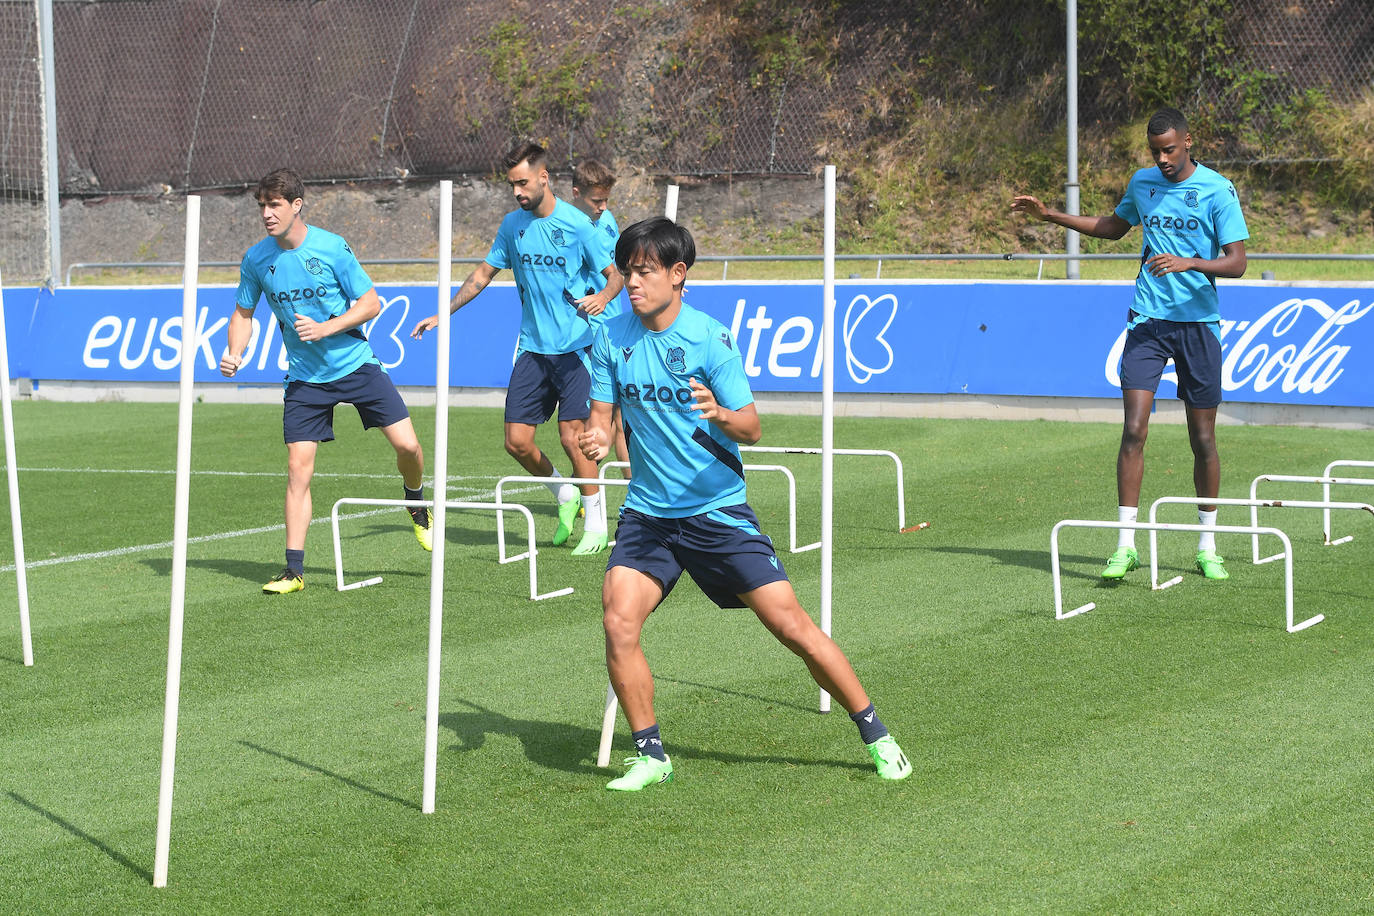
x=1192 y=218
x=319 y=279
x=681 y=465
x=606 y=234
x=550 y=257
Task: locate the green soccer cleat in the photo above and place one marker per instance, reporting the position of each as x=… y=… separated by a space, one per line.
x=592 y=542
x=643 y=771
x=889 y=759
x=289 y=581
x=423 y=523
x=1210 y=564
x=567 y=516
x=1123 y=561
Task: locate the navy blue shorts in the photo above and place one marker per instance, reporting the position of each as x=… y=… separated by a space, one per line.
x=1195 y=348
x=308 y=414
x=722 y=550
x=540 y=382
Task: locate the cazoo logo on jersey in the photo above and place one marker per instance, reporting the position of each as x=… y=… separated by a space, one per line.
x=1294 y=345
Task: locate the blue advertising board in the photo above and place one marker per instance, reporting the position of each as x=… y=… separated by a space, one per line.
x=1282 y=344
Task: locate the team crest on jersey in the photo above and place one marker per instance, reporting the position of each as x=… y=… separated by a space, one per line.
x=626 y=351
x=676 y=360
x=1190 y=198
x=556 y=236
x=314 y=266
x=725 y=339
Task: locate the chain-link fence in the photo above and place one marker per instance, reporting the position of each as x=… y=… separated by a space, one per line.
x=193 y=94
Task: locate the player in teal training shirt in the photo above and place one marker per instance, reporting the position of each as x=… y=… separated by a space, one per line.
x=1193 y=233
x=679 y=381
x=550 y=247
x=320 y=297
x=591 y=193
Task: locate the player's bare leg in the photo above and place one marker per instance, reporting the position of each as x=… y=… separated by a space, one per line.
x=594 y=536
x=1130 y=460
x=410 y=461
x=300 y=468
x=628 y=596
x=776 y=606
x=410 y=457
x=520 y=446
x=1130 y=470
x=1202 y=437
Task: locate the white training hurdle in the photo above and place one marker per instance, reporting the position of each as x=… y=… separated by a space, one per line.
x=1326 y=483
x=1255 y=505
x=600 y=482
x=1326 y=494
x=498 y=507
x=1061 y=614
x=860 y=452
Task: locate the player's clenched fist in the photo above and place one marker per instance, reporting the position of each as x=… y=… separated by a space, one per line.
x=594 y=444
x=229 y=364
x=705 y=401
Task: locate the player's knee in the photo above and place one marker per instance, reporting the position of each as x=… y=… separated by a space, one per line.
x=1133 y=436
x=519 y=447
x=622 y=632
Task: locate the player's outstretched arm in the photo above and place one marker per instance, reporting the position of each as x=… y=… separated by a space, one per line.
x=474 y=284
x=240 y=332
x=1099 y=227
x=741 y=425
x=595 y=438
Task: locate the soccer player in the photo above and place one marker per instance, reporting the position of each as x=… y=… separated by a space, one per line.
x=591 y=185
x=550 y=247
x=1193 y=232
x=320 y=296
x=680 y=383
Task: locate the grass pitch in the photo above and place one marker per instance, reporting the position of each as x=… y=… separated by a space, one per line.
x=1173 y=751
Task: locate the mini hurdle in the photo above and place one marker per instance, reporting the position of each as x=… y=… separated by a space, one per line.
x=1255 y=505
x=1061 y=614
x=1326 y=494
x=861 y=452
x=497 y=507
x=1326 y=483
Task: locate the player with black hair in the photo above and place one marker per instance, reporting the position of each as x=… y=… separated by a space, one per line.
x=1193 y=232
x=679 y=381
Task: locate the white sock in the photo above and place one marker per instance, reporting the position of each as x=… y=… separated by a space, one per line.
x=1126 y=536
x=561 y=491
x=1207 y=540
x=593 y=521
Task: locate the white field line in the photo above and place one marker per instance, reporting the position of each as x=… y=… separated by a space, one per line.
x=170 y=472
x=225 y=535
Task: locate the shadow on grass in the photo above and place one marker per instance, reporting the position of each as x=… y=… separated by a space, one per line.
x=83 y=835
x=1038 y=560
x=346 y=780
x=569 y=748
x=737 y=693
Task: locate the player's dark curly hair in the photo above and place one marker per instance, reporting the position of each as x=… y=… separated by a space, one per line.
x=1165 y=120
x=659 y=239
x=525 y=151
x=283 y=183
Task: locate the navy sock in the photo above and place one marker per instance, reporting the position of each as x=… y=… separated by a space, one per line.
x=647 y=741
x=295 y=561
x=417 y=493
x=871 y=728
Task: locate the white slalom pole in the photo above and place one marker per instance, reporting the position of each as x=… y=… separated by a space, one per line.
x=436 y=565
x=12 y=469
x=670 y=203
x=828 y=412
x=183 y=493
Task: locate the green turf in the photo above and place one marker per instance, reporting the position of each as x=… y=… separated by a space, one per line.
x=1167 y=752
